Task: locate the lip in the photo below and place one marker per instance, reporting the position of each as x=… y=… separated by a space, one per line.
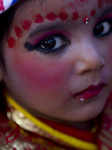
x=90 y=92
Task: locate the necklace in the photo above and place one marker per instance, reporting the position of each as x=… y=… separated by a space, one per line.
x=28 y=122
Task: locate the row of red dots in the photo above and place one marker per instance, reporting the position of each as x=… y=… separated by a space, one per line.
x=39 y=19
x=51 y=17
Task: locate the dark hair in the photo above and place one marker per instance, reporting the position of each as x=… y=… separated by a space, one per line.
x=6 y=20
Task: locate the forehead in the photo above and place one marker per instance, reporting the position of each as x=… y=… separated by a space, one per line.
x=83 y=7
x=44 y=6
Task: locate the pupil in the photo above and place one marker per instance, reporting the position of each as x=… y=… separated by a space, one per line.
x=50 y=43
x=99 y=29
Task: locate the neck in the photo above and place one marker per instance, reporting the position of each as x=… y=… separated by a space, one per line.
x=84 y=125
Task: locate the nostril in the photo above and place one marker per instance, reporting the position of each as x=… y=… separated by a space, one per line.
x=88 y=65
x=86 y=72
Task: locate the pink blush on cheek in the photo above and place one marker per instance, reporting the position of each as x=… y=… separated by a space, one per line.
x=36 y=75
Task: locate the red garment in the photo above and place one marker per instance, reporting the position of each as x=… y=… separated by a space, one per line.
x=12 y=137
x=105 y=135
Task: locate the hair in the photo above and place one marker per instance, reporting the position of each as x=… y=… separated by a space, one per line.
x=6 y=20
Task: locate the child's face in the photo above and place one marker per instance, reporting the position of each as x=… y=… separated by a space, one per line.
x=52 y=55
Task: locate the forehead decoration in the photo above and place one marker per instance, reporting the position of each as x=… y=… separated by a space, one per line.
x=6 y=4
x=86 y=20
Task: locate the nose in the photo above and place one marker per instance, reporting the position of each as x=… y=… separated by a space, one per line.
x=90 y=58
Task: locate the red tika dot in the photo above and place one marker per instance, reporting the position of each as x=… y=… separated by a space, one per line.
x=26 y=25
x=51 y=16
x=93 y=12
x=63 y=15
x=18 y=32
x=75 y=16
x=11 y=42
x=38 y=19
x=100 y=3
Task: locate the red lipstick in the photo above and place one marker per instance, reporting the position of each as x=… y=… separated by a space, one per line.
x=90 y=92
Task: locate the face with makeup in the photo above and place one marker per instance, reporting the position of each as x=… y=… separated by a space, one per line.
x=58 y=65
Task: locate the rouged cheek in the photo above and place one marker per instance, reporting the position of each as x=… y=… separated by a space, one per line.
x=38 y=75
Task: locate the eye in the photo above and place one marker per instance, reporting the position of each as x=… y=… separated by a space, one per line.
x=51 y=44
x=103 y=28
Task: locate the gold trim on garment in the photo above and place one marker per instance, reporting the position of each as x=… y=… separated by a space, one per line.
x=28 y=122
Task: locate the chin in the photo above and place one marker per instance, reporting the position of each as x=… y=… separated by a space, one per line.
x=86 y=115
x=90 y=116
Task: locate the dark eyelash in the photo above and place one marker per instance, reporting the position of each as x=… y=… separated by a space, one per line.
x=31 y=47
x=104 y=20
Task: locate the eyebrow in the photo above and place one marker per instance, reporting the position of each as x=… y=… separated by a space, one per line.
x=46 y=27
x=106 y=11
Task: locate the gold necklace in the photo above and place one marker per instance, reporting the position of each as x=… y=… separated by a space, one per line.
x=28 y=122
